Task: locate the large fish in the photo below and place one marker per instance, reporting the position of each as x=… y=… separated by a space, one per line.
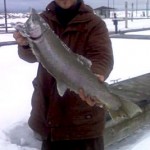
x=71 y=70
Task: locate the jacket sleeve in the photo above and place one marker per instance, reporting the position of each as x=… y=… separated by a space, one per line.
x=99 y=49
x=26 y=54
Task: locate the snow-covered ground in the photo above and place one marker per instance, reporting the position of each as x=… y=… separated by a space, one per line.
x=131 y=59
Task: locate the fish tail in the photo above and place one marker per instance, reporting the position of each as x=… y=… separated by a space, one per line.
x=128 y=109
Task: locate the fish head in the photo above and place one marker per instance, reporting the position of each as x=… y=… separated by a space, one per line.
x=35 y=25
x=32 y=25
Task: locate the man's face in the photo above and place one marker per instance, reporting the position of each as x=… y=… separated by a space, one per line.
x=65 y=4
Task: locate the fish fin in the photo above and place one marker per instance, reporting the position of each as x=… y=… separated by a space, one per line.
x=131 y=108
x=128 y=109
x=61 y=88
x=117 y=115
x=84 y=61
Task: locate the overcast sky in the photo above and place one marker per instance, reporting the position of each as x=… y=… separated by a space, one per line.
x=40 y=4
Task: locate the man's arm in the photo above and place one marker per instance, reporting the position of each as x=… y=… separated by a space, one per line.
x=99 y=50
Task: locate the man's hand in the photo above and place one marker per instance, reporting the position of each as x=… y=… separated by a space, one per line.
x=90 y=101
x=22 y=41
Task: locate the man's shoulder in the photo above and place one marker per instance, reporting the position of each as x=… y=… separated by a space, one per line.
x=88 y=12
x=95 y=19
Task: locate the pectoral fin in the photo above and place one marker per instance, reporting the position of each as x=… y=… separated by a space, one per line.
x=61 y=88
x=131 y=108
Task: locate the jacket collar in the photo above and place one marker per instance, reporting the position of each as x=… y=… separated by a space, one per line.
x=84 y=9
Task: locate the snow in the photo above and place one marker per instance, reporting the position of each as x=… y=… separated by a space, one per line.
x=143 y=144
x=15 y=94
x=128 y=57
x=135 y=24
x=8 y=37
x=131 y=59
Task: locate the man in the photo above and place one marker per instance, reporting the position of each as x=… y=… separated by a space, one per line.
x=71 y=122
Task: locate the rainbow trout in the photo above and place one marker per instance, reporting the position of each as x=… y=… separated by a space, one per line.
x=71 y=70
